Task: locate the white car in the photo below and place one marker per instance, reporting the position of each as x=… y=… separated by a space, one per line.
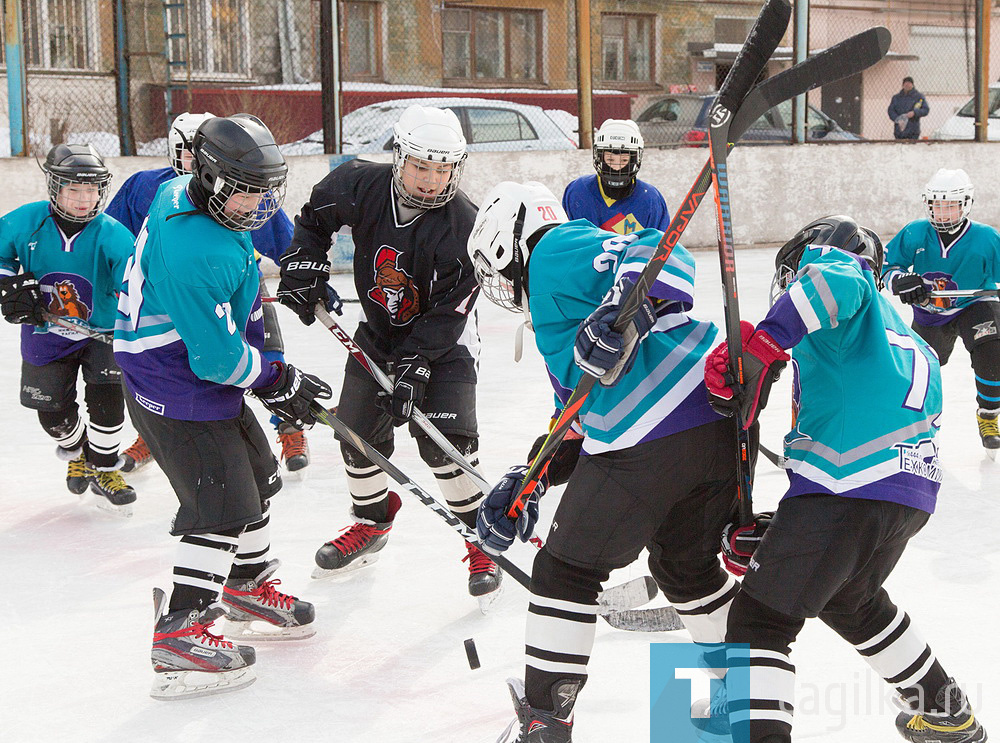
x=962 y=125
x=489 y=125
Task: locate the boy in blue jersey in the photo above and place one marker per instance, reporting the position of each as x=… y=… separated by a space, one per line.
x=864 y=477
x=615 y=199
x=188 y=340
x=949 y=251
x=657 y=468
x=63 y=259
x=130 y=207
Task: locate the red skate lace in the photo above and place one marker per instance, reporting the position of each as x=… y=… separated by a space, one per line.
x=478 y=561
x=357 y=536
x=199 y=631
x=273 y=597
x=139 y=452
x=292 y=444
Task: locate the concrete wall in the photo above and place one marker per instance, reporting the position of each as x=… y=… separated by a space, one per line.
x=775 y=190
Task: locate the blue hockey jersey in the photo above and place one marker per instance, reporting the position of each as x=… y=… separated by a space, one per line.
x=131 y=205
x=190 y=328
x=972 y=261
x=569 y=271
x=644 y=207
x=79 y=275
x=867 y=389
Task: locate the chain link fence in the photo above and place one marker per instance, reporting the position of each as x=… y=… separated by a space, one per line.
x=115 y=72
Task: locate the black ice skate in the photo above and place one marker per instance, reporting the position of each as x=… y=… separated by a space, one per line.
x=136 y=456
x=76 y=475
x=113 y=493
x=989 y=431
x=540 y=726
x=294 y=448
x=953 y=722
x=190 y=661
x=258 y=611
x=358 y=546
x=485 y=577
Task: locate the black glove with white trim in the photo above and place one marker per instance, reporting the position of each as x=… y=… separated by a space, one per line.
x=910 y=288
x=303 y=284
x=292 y=395
x=411 y=374
x=21 y=299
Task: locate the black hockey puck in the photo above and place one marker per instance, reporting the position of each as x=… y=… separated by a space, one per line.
x=472 y=653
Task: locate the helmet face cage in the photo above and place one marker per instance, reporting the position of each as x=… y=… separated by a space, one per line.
x=180 y=138
x=231 y=217
x=57 y=181
x=496 y=285
x=617 y=178
x=948 y=186
x=423 y=173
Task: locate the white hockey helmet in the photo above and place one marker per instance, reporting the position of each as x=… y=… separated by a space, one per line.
x=180 y=137
x=618 y=136
x=501 y=237
x=948 y=185
x=430 y=135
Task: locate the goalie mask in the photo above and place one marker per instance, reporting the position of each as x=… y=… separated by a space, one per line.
x=836 y=231
x=180 y=137
x=618 y=155
x=504 y=234
x=77 y=181
x=428 y=156
x=948 y=198
x=239 y=169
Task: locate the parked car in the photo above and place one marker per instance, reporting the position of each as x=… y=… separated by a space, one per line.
x=963 y=124
x=681 y=120
x=488 y=125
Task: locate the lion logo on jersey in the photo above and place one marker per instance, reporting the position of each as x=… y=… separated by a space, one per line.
x=66 y=301
x=394 y=288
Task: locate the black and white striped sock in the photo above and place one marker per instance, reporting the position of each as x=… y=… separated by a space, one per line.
x=252 y=550
x=706 y=618
x=760 y=685
x=201 y=565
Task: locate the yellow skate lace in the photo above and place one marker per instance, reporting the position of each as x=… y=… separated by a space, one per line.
x=918 y=723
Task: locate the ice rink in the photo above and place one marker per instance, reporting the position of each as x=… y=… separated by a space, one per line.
x=388 y=662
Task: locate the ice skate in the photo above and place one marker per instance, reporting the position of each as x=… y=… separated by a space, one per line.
x=955 y=724
x=256 y=610
x=485 y=577
x=190 y=661
x=76 y=475
x=711 y=716
x=294 y=448
x=113 y=493
x=136 y=456
x=540 y=726
x=989 y=431
x=358 y=546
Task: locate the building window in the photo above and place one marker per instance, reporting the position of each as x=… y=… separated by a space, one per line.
x=61 y=35
x=627 y=48
x=361 y=40
x=492 y=45
x=219 y=38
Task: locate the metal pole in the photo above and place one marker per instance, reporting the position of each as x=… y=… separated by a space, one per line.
x=329 y=49
x=17 y=84
x=122 y=79
x=982 y=82
x=584 y=83
x=800 y=52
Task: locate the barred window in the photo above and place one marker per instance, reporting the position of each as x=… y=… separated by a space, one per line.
x=492 y=45
x=62 y=35
x=627 y=48
x=361 y=39
x=219 y=38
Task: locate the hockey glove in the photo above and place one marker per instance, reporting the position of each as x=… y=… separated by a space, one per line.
x=740 y=542
x=763 y=360
x=910 y=288
x=410 y=377
x=292 y=395
x=303 y=284
x=563 y=462
x=601 y=351
x=21 y=299
x=495 y=528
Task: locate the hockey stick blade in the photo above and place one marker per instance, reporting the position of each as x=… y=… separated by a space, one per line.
x=628 y=595
x=660 y=619
x=776 y=459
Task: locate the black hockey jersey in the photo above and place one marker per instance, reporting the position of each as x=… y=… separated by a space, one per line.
x=414 y=279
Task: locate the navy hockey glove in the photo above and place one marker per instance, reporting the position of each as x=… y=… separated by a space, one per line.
x=21 y=299
x=292 y=395
x=763 y=360
x=563 y=462
x=495 y=528
x=410 y=377
x=740 y=542
x=910 y=288
x=304 y=283
x=600 y=351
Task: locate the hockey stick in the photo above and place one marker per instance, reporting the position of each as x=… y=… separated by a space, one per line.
x=762 y=41
x=959 y=293
x=96 y=335
x=612 y=599
x=776 y=459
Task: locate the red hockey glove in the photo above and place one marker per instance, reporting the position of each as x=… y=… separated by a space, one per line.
x=740 y=542
x=763 y=360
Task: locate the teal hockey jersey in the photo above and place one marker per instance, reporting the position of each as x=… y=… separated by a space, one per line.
x=569 y=271
x=79 y=275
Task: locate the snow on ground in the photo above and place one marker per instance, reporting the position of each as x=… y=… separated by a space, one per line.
x=388 y=662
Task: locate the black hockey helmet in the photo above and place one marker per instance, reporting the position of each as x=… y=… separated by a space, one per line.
x=68 y=164
x=837 y=231
x=237 y=155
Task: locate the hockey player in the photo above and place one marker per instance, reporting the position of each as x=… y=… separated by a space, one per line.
x=864 y=477
x=130 y=207
x=615 y=199
x=188 y=339
x=658 y=468
x=410 y=224
x=950 y=251
x=64 y=259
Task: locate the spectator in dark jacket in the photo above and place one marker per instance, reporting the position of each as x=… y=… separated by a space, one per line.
x=906 y=109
